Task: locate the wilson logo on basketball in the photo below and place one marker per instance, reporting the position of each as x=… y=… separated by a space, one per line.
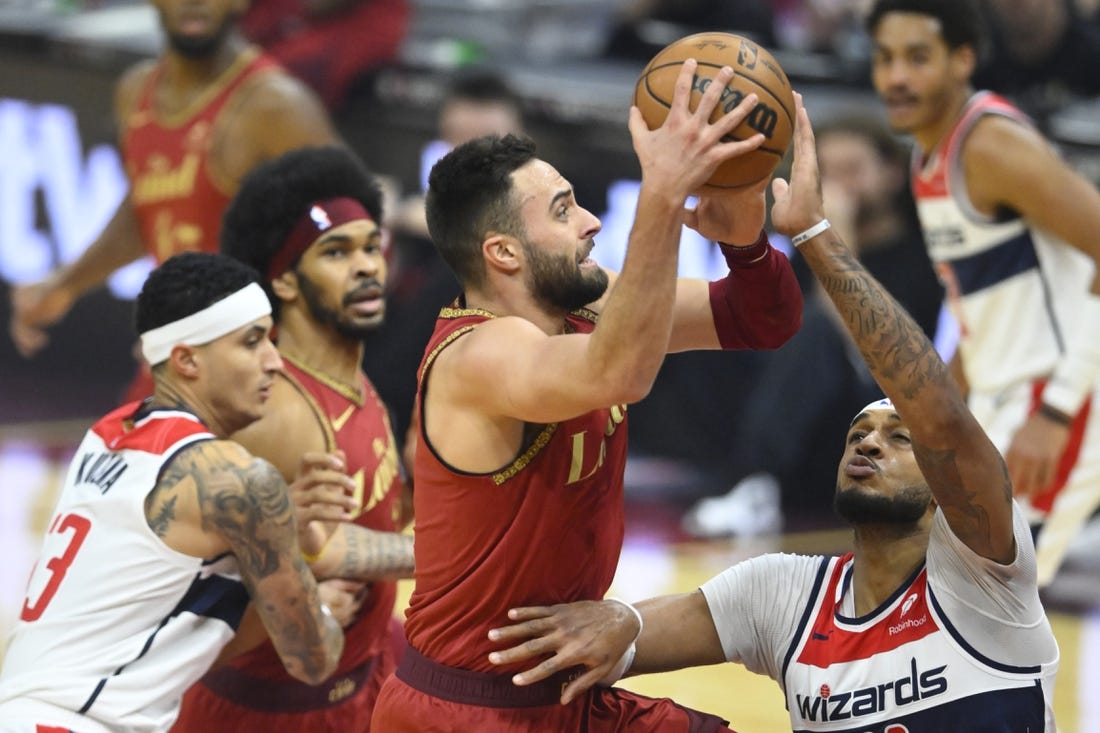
x=763 y=117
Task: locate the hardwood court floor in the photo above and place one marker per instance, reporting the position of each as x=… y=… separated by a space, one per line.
x=656 y=560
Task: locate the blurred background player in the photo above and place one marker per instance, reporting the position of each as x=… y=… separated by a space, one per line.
x=165 y=528
x=309 y=220
x=1013 y=239
x=192 y=123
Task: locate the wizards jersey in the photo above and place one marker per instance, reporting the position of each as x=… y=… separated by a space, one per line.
x=961 y=645
x=116 y=625
x=1012 y=288
x=904 y=667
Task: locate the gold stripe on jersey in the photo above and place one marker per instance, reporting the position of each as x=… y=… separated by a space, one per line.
x=315 y=408
x=450 y=312
x=528 y=455
x=442 y=345
x=344 y=390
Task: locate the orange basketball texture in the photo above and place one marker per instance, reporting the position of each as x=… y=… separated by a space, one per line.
x=754 y=70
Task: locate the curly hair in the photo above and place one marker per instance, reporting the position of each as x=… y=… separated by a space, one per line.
x=185 y=284
x=470 y=194
x=277 y=192
x=960 y=20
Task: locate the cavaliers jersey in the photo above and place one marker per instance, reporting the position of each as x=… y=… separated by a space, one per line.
x=116 y=625
x=1012 y=288
x=175 y=193
x=355 y=421
x=962 y=645
x=546 y=528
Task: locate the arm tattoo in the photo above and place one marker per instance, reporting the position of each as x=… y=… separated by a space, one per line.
x=244 y=500
x=165 y=514
x=375 y=555
x=962 y=467
x=897 y=351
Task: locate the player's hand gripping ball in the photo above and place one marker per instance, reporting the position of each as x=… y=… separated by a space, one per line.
x=755 y=70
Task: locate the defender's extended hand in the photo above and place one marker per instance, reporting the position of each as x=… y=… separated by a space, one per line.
x=590 y=634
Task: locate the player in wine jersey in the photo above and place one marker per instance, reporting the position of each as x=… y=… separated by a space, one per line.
x=192 y=124
x=1011 y=229
x=164 y=528
x=309 y=220
x=523 y=395
x=932 y=623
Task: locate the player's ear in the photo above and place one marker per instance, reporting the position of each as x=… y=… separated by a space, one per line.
x=963 y=62
x=285 y=286
x=501 y=252
x=182 y=361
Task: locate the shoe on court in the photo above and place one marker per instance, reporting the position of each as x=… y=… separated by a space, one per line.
x=750 y=508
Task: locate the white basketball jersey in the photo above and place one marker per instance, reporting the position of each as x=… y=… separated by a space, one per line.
x=116 y=625
x=1012 y=288
x=902 y=668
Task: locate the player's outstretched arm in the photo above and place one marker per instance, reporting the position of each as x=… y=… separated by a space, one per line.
x=964 y=470
x=243 y=501
x=677 y=632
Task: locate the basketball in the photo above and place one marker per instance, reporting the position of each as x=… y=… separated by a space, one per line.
x=754 y=70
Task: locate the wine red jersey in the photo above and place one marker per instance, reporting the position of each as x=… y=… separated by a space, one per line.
x=354 y=419
x=176 y=196
x=546 y=528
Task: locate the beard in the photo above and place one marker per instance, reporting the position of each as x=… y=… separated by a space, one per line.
x=857 y=507
x=557 y=282
x=325 y=316
x=198 y=48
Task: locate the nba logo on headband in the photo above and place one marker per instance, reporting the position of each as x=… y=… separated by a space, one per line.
x=320 y=217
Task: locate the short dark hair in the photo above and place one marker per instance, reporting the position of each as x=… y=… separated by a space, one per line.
x=277 y=192
x=960 y=20
x=470 y=194
x=185 y=284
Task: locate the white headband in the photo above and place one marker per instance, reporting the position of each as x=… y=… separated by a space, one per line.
x=216 y=320
x=883 y=404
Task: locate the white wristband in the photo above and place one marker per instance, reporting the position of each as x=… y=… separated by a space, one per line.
x=1075 y=375
x=620 y=667
x=636 y=612
x=627 y=659
x=810 y=233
